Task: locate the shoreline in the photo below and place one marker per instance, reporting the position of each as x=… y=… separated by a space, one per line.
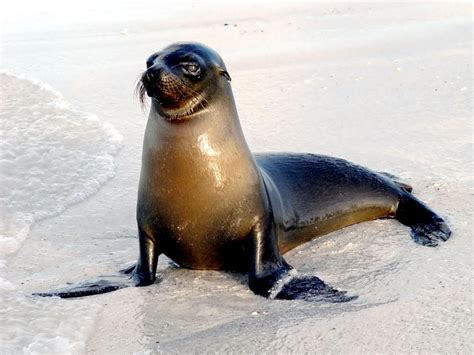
x=397 y=106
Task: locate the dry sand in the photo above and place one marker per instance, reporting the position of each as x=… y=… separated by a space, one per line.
x=388 y=86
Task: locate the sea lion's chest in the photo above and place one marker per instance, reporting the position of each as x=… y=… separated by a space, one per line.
x=199 y=204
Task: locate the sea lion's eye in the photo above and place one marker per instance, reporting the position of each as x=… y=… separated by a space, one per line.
x=191 y=68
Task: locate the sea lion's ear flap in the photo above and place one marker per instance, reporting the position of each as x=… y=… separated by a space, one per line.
x=225 y=74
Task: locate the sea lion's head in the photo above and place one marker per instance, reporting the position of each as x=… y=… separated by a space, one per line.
x=181 y=79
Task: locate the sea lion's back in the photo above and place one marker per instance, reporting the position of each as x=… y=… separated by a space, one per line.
x=313 y=195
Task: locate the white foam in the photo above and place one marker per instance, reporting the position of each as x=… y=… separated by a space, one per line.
x=51 y=156
x=45 y=325
x=276 y=289
x=6 y=285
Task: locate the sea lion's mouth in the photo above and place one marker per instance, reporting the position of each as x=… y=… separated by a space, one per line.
x=173 y=98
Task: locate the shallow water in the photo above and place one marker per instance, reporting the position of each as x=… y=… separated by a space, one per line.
x=51 y=156
x=35 y=325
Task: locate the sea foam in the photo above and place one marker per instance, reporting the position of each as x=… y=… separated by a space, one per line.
x=51 y=156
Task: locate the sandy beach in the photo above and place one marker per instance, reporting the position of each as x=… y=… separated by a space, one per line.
x=388 y=86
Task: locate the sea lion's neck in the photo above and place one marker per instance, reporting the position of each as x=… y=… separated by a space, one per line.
x=211 y=130
x=202 y=159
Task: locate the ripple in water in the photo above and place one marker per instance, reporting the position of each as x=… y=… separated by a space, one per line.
x=51 y=156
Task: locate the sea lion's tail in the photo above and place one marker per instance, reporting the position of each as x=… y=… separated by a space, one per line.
x=427 y=228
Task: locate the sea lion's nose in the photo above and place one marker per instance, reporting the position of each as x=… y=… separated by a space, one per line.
x=154 y=71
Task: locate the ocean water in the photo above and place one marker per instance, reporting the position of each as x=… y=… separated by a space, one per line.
x=51 y=156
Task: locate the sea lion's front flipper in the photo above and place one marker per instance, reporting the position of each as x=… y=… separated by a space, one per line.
x=142 y=273
x=308 y=288
x=92 y=287
x=267 y=266
x=271 y=276
x=128 y=269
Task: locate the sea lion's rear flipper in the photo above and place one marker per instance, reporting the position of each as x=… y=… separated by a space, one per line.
x=89 y=288
x=403 y=185
x=427 y=228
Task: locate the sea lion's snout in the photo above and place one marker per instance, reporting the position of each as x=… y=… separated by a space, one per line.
x=165 y=87
x=154 y=80
x=150 y=77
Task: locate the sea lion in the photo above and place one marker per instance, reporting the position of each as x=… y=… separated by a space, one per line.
x=207 y=202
